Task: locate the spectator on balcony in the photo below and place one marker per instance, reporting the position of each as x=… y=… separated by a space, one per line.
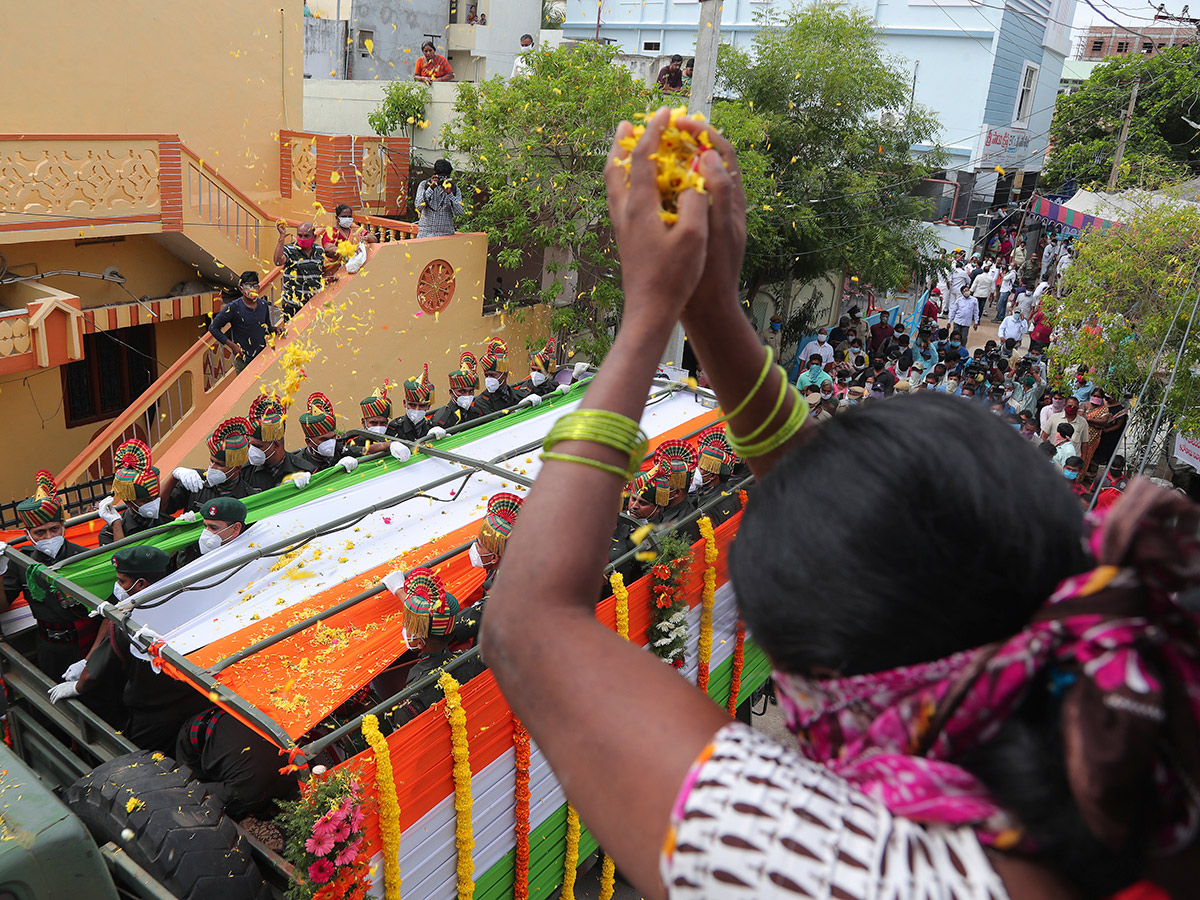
x=303 y=268
x=249 y=319
x=345 y=229
x=432 y=66
x=438 y=202
x=670 y=76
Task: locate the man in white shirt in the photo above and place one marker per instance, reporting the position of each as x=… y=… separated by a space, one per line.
x=1006 y=287
x=1071 y=416
x=959 y=279
x=1013 y=326
x=982 y=287
x=964 y=312
x=819 y=346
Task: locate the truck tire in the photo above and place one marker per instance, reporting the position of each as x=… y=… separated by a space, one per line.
x=159 y=814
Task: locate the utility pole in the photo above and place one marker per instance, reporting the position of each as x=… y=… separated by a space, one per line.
x=704 y=74
x=1116 y=166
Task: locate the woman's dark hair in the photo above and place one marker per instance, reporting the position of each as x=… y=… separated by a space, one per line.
x=342 y=207
x=824 y=579
x=428 y=44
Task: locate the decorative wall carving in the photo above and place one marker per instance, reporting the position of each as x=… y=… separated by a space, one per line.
x=75 y=178
x=304 y=164
x=14 y=336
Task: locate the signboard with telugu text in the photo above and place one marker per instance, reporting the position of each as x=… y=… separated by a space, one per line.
x=1187 y=450
x=1004 y=147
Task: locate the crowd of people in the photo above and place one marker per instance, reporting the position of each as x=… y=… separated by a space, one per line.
x=854 y=363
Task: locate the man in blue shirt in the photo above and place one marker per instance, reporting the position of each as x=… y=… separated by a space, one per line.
x=249 y=318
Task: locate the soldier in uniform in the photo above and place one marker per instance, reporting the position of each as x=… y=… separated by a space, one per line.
x=461 y=408
x=228 y=452
x=486 y=554
x=224 y=520
x=65 y=633
x=541 y=381
x=270 y=463
x=415 y=423
x=642 y=505
x=235 y=764
x=157 y=703
x=714 y=470
x=376 y=411
x=678 y=460
x=429 y=617
x=136 y=484
x=321 y=442
x=496 y=395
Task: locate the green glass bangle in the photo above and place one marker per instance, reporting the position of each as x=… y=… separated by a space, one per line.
x=789 y=428
x=586 y=461
x=783 y=386
x=762 y=377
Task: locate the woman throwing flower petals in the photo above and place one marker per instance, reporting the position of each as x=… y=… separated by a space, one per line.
x=1031 y=736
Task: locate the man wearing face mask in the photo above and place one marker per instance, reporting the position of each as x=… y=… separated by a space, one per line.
x=224 y=520
x=303 y=268
x=496 y=394
x=415 y=423
x=460 y=408
x=269 y=463
x=541 y=383
x=64 y=631
x=814 y=374
x=157 y=703
x=429 y=616
x=376 y=411
x=1070 y=415
x=819 y=347
x=773 y=336
x=641 y=505
x=485 y=553
x=228 y=453
x=321 y=443
x=713 y=472
x=136 y=485
x=677 y=460
x=249 y=319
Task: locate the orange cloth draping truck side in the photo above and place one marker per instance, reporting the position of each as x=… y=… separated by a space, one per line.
x=299 y=681
x=420 y=750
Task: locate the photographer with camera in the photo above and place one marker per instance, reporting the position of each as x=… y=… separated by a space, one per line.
x=438 y=201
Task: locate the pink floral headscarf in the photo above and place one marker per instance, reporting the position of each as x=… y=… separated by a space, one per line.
x=1123 y=654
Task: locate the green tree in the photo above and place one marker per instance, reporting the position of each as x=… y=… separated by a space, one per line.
x=1162 y=147
x=535 y=147
x=826 y=135
x=402 y=108
x=1138 y=282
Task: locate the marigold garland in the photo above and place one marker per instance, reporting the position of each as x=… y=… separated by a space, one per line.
x=464 y=830
x=708 y=598
x=389 y=807
x=743 y=497
x=608 y=878
x=571 y=863
x=621 y=595
x=735 y=678
x=521 y=794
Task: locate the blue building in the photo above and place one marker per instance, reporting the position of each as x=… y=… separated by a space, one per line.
x=990 y=70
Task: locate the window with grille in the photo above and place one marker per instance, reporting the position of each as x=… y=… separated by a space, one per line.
x=116 y=368
x=1122 y=46
x=1025 y=93
x=1097 y=46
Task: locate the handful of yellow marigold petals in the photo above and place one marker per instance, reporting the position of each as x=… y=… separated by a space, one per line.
x=677 y=160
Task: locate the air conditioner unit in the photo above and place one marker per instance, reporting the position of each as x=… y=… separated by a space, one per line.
x=889 y=118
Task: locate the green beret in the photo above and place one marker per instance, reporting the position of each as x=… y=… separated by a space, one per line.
x=140 y=560
x=224 y=509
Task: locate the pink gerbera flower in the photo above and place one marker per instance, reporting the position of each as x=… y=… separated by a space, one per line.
x=356 y=818
x=342 y=831
x=321 y=871
x=349 y=853
x=319 y=845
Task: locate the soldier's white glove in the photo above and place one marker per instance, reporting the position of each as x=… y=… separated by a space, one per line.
x=531 y=400
x=74 y=670
x=399 y=451
x=349 y=463
x=578 y=370
x=189 y=478
x=437 y=433
x=563 y=388
x=106 y=512
x=3 y=558
x=301 y=480
x=187 y=518
x=64 y=690
x=394 y=582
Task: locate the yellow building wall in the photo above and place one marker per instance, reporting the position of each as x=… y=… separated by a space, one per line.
x=149 y=269
x=376 y=330
x=31 y=407
x=225 y=76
